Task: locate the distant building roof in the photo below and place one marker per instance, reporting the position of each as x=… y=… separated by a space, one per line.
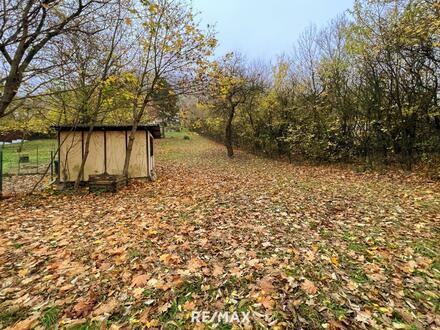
x=154 y=129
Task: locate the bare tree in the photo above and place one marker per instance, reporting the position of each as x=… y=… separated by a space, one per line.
x=172 y=46
x=27 y=28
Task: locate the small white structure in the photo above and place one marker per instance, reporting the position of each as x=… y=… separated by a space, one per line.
x=107 y=151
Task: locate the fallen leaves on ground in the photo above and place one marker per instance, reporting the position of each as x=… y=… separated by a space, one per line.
x=295 y=246
x=309 y=287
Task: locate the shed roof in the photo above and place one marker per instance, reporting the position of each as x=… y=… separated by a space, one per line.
x=154 y=129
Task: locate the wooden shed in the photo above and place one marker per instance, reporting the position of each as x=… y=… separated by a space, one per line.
x=107 y=151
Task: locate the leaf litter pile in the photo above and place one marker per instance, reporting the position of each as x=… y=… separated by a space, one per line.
x=293 y=246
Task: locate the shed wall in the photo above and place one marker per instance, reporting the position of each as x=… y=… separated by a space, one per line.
x=95 y=163
x=107 y=153
x=70 y=155
x=116 y=151
x=138 y=162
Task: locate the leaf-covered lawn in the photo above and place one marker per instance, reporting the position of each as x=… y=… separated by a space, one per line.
x=296 y=246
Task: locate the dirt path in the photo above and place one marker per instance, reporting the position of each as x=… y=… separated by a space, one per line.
x=294 y=246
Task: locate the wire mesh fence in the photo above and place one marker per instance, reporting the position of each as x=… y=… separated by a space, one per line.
x=23 y=163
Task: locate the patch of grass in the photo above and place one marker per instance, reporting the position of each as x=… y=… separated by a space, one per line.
x=353 y=242
x=133 y=253
x=12 y=316
x=292 y=271
x=357 y=274
x=263 y=254
x=325 y=233
x=243 y=307
x=348 y=237
x=339 y=311
x=152 y=293
x=224 y=326
x=426 y=249
x=311 y=315
x=37 y=150
x=354 y=246
x=436 y=265
x=18 y=245
x=50 y=317
x=170 y=314
x=148 y=242
x=429 y=205
x=188 y=288
x=183 y=295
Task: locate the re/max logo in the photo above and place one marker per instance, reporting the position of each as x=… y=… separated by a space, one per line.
x=220 y=317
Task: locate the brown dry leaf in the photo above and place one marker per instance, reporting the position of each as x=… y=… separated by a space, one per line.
x=194 y=264
x=153 y=283
x=363 y=317
x=165 y=257
x=138 y=292
x=189 y=306
x=236 y=271
x=25 y=324
x=309 y=287
x=310 y=256
x=351 y=285
x=335 y=325
x=218 y=270
x=169 y=259
x=266 y=285
x=82 y=308
x=145 y=315
x=407 y=317
x=140 y=280
x=267 y=302
x=164 y=308
x=409 y=267
x=66 y=287
x=106 y=308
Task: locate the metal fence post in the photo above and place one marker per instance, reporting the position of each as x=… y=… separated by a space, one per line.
x=18 y=163
x=51 y=166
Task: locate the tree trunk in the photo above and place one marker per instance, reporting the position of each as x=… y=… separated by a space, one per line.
x=228 y=133
x=130 y=147
x=10 y=90
x=84 y=157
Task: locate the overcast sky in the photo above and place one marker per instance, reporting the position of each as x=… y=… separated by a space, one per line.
x=262 y=28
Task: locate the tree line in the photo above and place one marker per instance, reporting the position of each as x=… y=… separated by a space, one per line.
x=362 y=88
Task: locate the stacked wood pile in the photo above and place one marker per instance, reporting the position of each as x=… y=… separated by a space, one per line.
x=106 y=182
